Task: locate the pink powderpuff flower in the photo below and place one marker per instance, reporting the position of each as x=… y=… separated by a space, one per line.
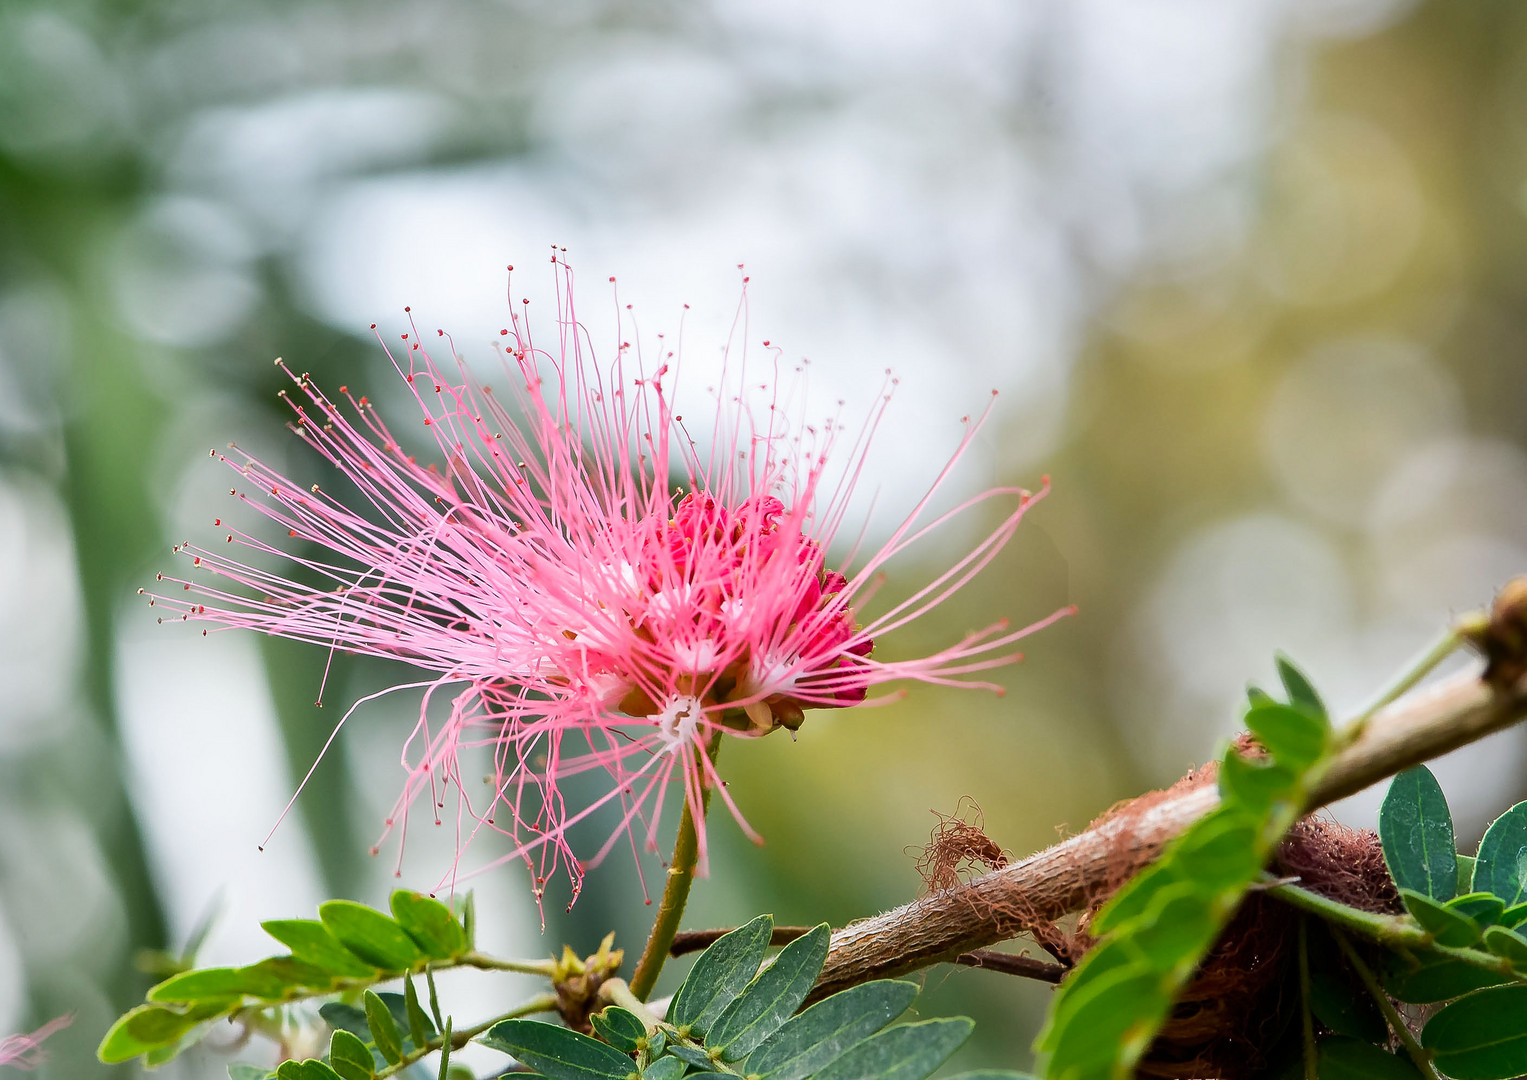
x=25 y=1052
x=581 y=612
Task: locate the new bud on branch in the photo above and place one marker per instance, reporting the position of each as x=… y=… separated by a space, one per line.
x=590 y=588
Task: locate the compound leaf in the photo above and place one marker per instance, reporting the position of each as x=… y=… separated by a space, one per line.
x=720 y=974
x=771 y=998
x=904 y=1052
x=370 y=935
x=818 y=1036
x=558 y=1052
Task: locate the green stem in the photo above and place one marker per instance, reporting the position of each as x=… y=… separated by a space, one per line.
x=1397 y=1024
x=1395 y=931
x=616 y=992
x=539 y=1003
x=484 y=962
x=1307 y=1019
x=681 y=875
x=1457 y=635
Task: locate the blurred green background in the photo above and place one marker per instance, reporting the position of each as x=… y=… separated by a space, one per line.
x=1250 y=275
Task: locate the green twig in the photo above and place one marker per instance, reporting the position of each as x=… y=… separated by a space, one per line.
x=544 y=968
x=1422 y=1059
x=1307 y=1019
x=1453 y=638
x=616 y=992
x=1395 y=931
x=538 y=1004
x=681 y=875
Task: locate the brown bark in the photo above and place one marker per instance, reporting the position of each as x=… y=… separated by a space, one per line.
x=1068 y=876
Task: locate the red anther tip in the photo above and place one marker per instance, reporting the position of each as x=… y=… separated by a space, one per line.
x=406 y=308
x=612 y=279
x=258 y=847
x=1045 y=479
x=440 y=332
x=344 y=389
x=766 y=341
x=503 y=333
x=373 y=326
x=405 y=337
x=511 y=266
x=376 y=851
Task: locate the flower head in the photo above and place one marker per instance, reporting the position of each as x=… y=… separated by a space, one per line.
x=592 y=590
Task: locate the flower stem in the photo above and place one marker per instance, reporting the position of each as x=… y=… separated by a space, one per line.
x=1422 y=1059
x=681 y=875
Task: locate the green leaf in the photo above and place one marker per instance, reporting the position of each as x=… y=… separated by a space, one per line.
x=1465 y=874
x=1508 y=943
x=1256 y=696
x=141 y=1030
x=445 y=1045
x=817 y=1036
x=1513 y=916
x=383 y=1028
x=558 y=1052
x=1346 y=1009
x=693 y=1057
x=1253 y=783
x=1431 y=976
x=1173 y=932
x=219 y=983
x=350 y=1057
x=904 y=1052
x=430 y=923
x=771 y=998
x=1482 y=1036
x=1416 y=831
x=621 y=1028
x=312 y=943
x=369 y=934
x=239 y=1070
x=665 y=1068
x=418 y=1023
x=305 y=1070
x=1501 y=865
x=1446 y=926
x=993 y=1074
x=344 y=1017
x=294 y=972
x=1292 y=736
x=720 y=974
x=1354 y=1059
x=1301 y=693
x=1110 y=1020
x=1217 y=852
x=1484 y=908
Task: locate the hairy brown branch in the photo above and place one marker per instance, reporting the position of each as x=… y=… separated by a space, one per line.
x=688 y=941
x=1000 y=905
x=1024 y=966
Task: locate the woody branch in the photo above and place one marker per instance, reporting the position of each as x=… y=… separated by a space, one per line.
x=1005 y=903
